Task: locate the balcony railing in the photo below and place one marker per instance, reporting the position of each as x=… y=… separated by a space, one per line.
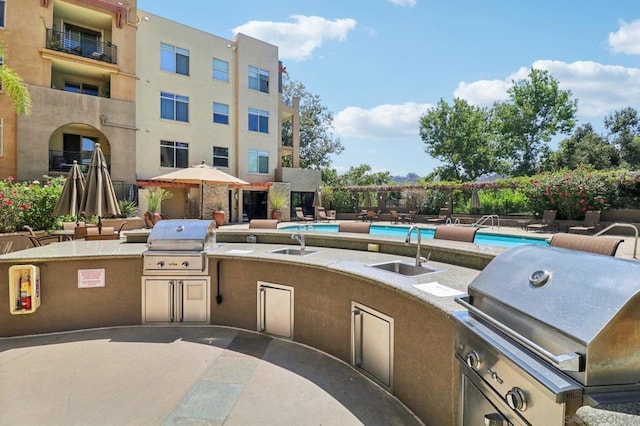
x=80 y=46
x=61 y=161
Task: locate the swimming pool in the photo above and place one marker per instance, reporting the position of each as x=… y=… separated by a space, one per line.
x=401 y=231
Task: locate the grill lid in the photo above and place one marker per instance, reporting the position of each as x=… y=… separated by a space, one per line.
x=182 y=234
x=568 y=301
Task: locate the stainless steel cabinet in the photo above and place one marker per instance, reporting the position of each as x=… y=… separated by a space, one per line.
x=167 y=299
x=275 y=309
x=372 y=343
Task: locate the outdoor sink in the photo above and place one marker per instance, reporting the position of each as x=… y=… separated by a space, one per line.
x=404 y=268
x=294 y=251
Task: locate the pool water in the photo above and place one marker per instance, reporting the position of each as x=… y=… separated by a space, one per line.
x=401 y=231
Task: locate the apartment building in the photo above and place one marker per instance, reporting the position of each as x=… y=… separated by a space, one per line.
x=78 y=59
x=157 y=95
x=205 y=99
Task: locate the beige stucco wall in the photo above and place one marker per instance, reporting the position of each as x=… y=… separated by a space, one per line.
x=26 y=139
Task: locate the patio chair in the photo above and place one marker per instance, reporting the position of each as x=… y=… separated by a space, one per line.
x=301 y=216
x=371 y=215
x=548 y=222
x=70 y=226
x=356 y=227
x=263 y=224
x=394 y=216
x=591 y=223
x=41 y=240
x=444 y=215
x=322 y=215
x=104 y=233
x=408 y=217
x=600 y=245
x=466 y=234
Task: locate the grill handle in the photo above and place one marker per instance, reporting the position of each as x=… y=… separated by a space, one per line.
x=566 y=362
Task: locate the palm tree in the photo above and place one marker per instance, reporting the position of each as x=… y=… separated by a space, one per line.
x=13 y=86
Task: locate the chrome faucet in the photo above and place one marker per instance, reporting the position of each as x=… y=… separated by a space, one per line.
x=419 y=258
x=300 y=238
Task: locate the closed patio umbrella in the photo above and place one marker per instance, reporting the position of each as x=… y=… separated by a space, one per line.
x=69 y=201
x=475 y=199
x=317 y=201
x=99 y=196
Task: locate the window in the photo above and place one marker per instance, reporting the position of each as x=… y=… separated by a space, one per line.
x=220 y=113
x=220 y=70
x=258 y=79
x=258 y=161
x=174 y=107
x=258 y=120
x=174 y=59
x=2 y=13
x=174 y=154
x=220 y=156
x=86 y=89
x=1 y=139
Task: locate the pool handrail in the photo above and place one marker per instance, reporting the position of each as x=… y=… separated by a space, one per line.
x=624 y=225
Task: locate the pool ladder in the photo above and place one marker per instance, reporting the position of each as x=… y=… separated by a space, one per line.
x=485 y=218
x=625 y=225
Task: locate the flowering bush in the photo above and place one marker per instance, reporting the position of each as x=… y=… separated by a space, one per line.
x=28 y=203
x=572 y=193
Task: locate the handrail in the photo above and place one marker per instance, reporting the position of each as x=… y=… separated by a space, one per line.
x=624 y=225
x=486 y=217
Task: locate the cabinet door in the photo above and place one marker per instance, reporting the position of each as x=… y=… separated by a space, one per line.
x=158 y=302
x=372 y=340
x=195 y=300
x=275 y=306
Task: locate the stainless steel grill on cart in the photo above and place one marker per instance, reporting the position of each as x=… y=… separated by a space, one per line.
x=175 y=281
x=548 y=330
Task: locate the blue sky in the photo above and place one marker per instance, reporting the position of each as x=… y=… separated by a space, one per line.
x=378 y=65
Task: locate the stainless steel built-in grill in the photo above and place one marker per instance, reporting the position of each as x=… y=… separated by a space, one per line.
x=178 y=247
x=548 y=330
x=176 y=283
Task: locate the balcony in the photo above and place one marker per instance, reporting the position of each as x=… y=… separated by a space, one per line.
x=61 y=161
x=80 y=46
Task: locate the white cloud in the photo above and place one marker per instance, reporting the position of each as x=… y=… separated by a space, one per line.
x=297 y=40
x=409 y=3
x=600 y=89
x=626 y=39
x=383 y=121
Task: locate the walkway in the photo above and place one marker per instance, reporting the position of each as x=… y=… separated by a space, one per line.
x=192 y=375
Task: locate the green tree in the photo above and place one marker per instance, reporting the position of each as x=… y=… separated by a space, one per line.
x=12 y=84
x=460 y=136
x=362 y=176
x=624 y=133
x=584 y=147
x=537 y=110
x=317 y=142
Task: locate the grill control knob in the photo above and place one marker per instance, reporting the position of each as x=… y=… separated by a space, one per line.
x=473 y=360
x=160 y=264
x=185 y=264
x=516 y=399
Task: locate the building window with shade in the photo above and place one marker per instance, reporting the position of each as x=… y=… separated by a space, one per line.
x=174 y=154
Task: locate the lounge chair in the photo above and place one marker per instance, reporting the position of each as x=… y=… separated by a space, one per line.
x=591 y=221
x=301 y=216
x=547 y=223
x=443 y=217
x=371 y=215
x=322 y=215
x=408 y=217
x=589 y=243
x=356 y=227
x=263 y=224
x=466 y=234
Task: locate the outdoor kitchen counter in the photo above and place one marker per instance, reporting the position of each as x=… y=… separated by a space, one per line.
x=448 y=278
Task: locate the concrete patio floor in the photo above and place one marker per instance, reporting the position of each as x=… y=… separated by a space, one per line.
x=183 y=375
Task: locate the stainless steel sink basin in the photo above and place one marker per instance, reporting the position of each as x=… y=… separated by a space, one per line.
x=294 y=251
x=404 y=268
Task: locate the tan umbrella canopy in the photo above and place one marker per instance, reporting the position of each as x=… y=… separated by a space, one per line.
x=69 y=201
x=475 y=199
x=201 y=174
x=99 y=197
